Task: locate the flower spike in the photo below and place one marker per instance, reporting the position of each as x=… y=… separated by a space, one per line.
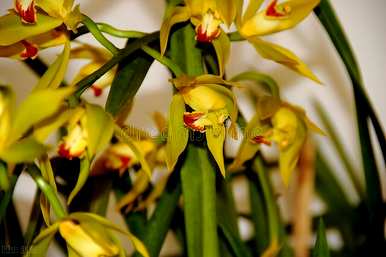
x=27 y=10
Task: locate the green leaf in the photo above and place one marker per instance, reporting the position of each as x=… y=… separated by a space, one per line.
x=215 y=137
x=41 y=243
x=158 y=225
x=339 y=148
x=83 y=175
x=236 y=245
x=12 y=30
x=268 y=82
x=178 y=134
x=38 y=106
x=222 y=46
x=4 y=180
x=364 y=112
x=321 y=246
x=54 y=76
x=129 y=77
x=100 y=128
x=25 y=150
x=198 y=187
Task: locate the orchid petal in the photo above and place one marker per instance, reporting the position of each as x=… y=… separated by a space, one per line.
x=12 y=30
x=180 y=14
x=222 y=47
x=215 y=137
x=283 y=56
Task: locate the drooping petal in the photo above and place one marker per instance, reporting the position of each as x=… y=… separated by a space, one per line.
x=7 y=100
x=278 y=17
x=180 y=14
x=283 y=56
x=215 y=137
x=12 y=30
x=222 y=47
x=53 y=8
x=178 y=135
x=26 y=10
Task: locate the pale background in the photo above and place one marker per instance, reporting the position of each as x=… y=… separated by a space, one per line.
x=363 y=21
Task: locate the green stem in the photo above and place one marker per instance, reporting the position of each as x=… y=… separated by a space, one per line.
x=273 y=216
x=4 y=180
x=164 y=60
x=107 y=28
x=235 y=36
x=120 y=56
x=52 y=197
x=93 y=28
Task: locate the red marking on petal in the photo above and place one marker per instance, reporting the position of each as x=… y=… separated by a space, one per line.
x=125 y=162
x=203 y=36
x=27 y=14
x=191 y=118
x=30 y=51
x=64 y=152
x=261 y=140
x=97 y=90
x=272 y=11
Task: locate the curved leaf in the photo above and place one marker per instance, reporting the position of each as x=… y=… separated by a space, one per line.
x=83 y=175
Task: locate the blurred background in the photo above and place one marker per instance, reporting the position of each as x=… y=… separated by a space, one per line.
x=364 y=24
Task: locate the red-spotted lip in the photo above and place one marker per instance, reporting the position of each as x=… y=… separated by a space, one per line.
x=26 y=13
x=96 y=90
x=203 y=37
x=65 y=152
x=261 y=140
x=30 y=50
x=272 y=11
x=191 y=118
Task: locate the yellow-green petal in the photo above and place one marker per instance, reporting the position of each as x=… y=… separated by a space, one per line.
x=25 y=150
x=222 y=46
x=40 y=244
x=283 y=56
x=179 y=14
x=215 y=137
x=289 y=156
x=54 y=76
x=39 y=105
x=227 y=10
x=178 y=134
x=12 y=30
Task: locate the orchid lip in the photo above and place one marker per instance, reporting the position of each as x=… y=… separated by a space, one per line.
x=96 y=90
x=204 y=37
x=27 y=11
x=261 y=140
x=191 y=118
x=272 y=10
x=30 y=50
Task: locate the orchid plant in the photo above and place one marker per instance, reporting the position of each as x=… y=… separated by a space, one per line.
x=180 y=180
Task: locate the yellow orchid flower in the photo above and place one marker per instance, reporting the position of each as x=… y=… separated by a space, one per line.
x=15 y=144
x=274 y=17
x=212 y=103
x=281 y=123
x=86 y=235
x=74 y=144
x=27 y=28
x=121 y=156
x=206 y=15
x=98 y=56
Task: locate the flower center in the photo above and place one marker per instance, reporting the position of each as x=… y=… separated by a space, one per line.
x=261 y=140
x=208 y=29
x=277 y=11
x=190 y=121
